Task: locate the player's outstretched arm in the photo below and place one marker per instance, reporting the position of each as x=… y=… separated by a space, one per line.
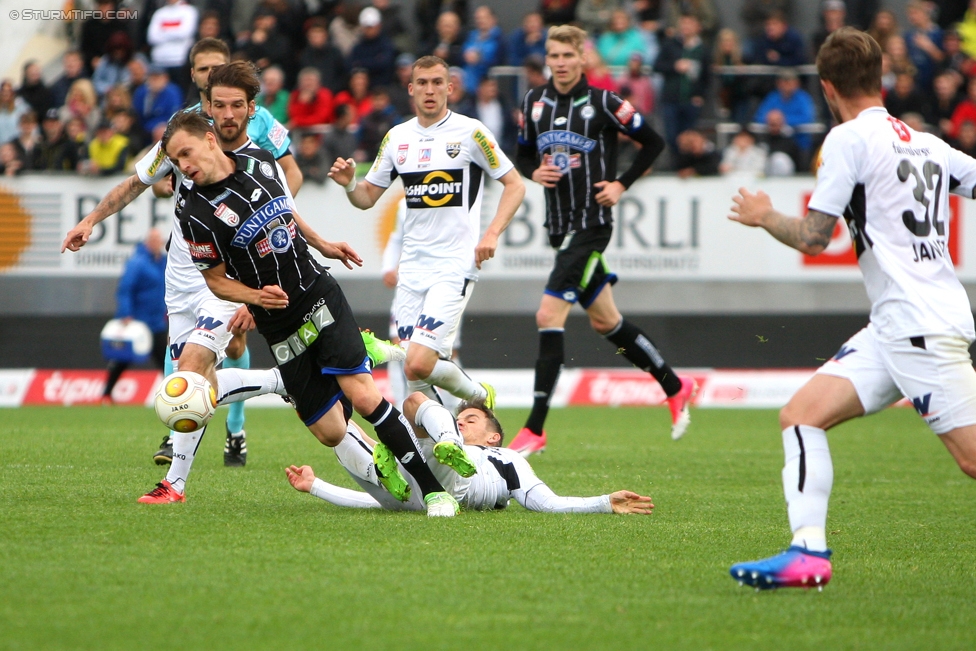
x=118 y=198
x=512 y=195
x=810 y=234
x=301 y=479
x=628 y=502
x=364 y=194
x=270 y=297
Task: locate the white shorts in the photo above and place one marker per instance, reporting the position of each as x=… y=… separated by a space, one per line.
x=199 y=318
x=935 y=373
x=432 y=318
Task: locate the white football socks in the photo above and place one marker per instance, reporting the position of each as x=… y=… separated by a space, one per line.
x=449 y=376
x=356 y=456
x=184 y=449
x=237 y=384
x=808 y=477
x=438 y=422
x=398 y=383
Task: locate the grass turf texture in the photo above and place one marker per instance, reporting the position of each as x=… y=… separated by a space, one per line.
x=249 y=563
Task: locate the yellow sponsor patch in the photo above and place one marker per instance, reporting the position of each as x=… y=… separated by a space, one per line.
x=488 y=147
x=154 y=166
x=379 y=154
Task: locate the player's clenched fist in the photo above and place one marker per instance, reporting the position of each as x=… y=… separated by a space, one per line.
x=343 y=171
x=272 y=297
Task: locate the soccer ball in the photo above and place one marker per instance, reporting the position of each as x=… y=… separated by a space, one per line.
x=185 y=401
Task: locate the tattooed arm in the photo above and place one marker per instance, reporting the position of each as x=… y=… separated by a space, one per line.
x=118 y=198
x=810 y=234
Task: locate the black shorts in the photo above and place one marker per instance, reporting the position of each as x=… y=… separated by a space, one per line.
x=310 y=372
x=581 y=271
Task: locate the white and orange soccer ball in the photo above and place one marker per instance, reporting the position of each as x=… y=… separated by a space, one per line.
x=185 y=401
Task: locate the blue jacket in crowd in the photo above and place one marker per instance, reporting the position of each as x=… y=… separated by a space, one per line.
x=142 y=289
x=158 y=109
x=491 y=52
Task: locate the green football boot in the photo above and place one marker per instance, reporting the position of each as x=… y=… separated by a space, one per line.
x=389 y=474
x=381 y=351
x=454 y=457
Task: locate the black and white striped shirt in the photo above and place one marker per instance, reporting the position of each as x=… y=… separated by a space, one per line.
x=577 y=132
x=245 y=221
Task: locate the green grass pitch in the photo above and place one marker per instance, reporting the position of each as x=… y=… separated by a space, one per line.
x=248 y=563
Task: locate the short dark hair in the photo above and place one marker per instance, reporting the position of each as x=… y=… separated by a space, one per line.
x=237 y=74
x=493 y=425
x=851 y=60
x=208 y=44
x=194 y=123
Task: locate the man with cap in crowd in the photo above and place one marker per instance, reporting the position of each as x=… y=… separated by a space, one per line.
x=58 y=154
x=374 y=52
x=156 y=100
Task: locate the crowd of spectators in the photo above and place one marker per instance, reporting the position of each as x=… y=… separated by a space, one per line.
x=337 y=76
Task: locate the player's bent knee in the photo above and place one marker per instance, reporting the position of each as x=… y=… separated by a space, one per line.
x=602 y=325
x=419 y=367
x=412 y=404
x=331 y=428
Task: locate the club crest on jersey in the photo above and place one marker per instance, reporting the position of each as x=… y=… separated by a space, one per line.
x=279 y=238
x=226 y=215
x=561 y=158
x=424 y=156
x=537 y=110
x=453 y=149
x=402 y=154
x=587 y=112
x=266 y=169
x=434 y=189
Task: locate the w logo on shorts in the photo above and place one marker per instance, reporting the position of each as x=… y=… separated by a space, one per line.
x=844 y=352
x=208 y=323
x=428 y=323
x=922 y=404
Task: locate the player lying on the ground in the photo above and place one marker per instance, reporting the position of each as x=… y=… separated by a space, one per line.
x=892 y=185
x=496 y=475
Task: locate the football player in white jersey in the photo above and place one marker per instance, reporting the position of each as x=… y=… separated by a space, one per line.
x=891 y=184
x=441 y=156
x=500 y=474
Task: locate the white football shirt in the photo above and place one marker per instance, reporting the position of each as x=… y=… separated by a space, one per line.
x=442 y=170
x=892 y=185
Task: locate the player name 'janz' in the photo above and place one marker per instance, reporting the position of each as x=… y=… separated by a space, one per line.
x=929 y=251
